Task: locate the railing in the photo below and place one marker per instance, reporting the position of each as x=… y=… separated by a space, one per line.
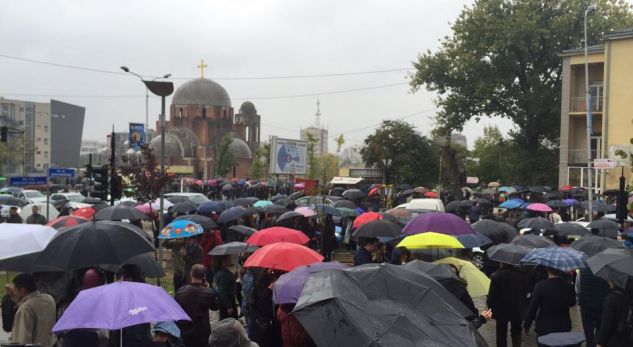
x=576 y=156
x=579 y=104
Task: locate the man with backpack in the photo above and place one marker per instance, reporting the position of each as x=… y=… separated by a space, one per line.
x=616 y=328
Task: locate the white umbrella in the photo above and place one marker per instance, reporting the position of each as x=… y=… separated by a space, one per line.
x=20 y=244
x=156 y=204
x=52 y=211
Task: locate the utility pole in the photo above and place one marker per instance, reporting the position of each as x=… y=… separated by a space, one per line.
x=112 y=167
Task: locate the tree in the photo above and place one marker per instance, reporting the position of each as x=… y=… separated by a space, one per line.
x=340 y=141
x=502 y=60
x=224 y=159
x=411 y=155
x=313 y=163
x=261 y=161
x=143 y=180
x=329 y=167
x=490 y=157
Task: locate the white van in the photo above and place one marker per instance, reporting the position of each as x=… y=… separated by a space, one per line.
x=424 y=204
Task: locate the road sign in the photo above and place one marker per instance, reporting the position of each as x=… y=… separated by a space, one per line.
x=28 y=181
x=602 y=164
x=61 y=172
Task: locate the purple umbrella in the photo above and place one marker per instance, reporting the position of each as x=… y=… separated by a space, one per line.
x=288 y=287
x=119 y=305
x=443 y=223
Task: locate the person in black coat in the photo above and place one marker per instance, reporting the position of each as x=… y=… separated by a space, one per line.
x=613 y=331
x=506 y=299
x=364 y=254
x=550 y=303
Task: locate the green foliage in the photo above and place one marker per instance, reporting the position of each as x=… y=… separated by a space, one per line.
x=261 y=162
x=224 y=159
x=143 y=180
x=328 y=165
x=502 y=60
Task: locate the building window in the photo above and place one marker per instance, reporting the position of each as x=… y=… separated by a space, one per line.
x=46 y=154
x=39 y=152
x=45 y=141
x=39 y=139
x=46 y=128
x=38 y=165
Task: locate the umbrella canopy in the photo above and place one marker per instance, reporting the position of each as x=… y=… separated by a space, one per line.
x=420 y=190
x=262 y=203
x=558 y=204
x=275 y=209
x=378 y=228
x=431 y=195
x=231 y=215
x=538 y=207
x=244 y=202
x=155 y=205
x=400 y=213
x=353 y=194
x=205 y=222
x=66 y=221
x=233 y=248
x=347 y=212
x=567 y=229
x=287 y=289
x=180 y=228
x=430 y=240
x=533 y=241
x=84 y=212
x=119 y=213
x=496 y=232
x=539 y=189
x=210 y=207
x=592 y=245
x=512 y=204
x=478 y=282
x=382 y=305
x=277 y=234
x=536 y=223
x=289 y=215
x=452 y=206
x=296 y=195
x=119 y=305
x=283 y=256
x=366 y=218
x=606 y=228
x=94 y=243
x=562 y=259
x=437 y=271
x=326 y=209
x=474 y=240
x=345 y=204
x=244 y=230
x=445 y=223
x=186 y=207
x=571 y=202
x=614 y=265
x=306 y=211
x=145 y=209
x=507 y=190
x=507 y=253
x=20 y=244
x=146 y=263
x=278 y=197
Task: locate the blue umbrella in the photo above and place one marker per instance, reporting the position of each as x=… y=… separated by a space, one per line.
x=232 y=214
x=262 y=203
x=512 y=204
x=180 y=228
x=210 y=207
x=474 y=240
x=571 y=202
x=562 y=259
x=507 y=190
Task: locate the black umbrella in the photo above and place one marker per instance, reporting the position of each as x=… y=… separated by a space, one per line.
x=129 y=203
x=407 y=192
x=244 y=230
x=605 y=208
x=553 y=195
x=283 y=202
x=242 y=202
x=278 y=197
x=567 y=229
x=474 y=240
x=507 y=253
x=253 y=210
x=481 y=201
x=59 y=204
x=275 y=209
x=614 y=265
x=227 y=187
x=119 y=213
x=605 y=227
x=557 y=204
x=382 y=305
x=354 y=194
x=145 y=262
x=288 y=215
x=533 y=241
x=345 y=204
x=177 y=199
x=539 y=189
x=453 y=206
x=184 y=207
x=233 y=248
x=536 y=223
x=510 y=230
x=252 y=200
x=326 y=209
x=232 y=214
x=437 y=271
x=495 y=231
x=466 y=203
x=378 y=228
x=296 y=195
x=592 y=245
x=94 y=243
x=205 y=222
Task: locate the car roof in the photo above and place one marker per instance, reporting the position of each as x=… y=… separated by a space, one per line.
x=183 y=194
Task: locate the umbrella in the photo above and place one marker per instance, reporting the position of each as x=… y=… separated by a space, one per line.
x=539 y=189
x=289 y=215
x=233 y=248
x=507 y=190
x=494 y=184
x=420 y=190
x=119 y=213
x=283 y=256
x=452 y=206
x=347 y=212
x=591 y=244
x=84 y=212
x=439 y=272
x=119 y=305
x=566 y=188
x=20 y=244
x=466 y=203
x=474 y=240
x=345 y=204
x=287 y=289
x=478 y=282
x=353 y=194
x=283 y=202
x=562 y=259
x=507 y=253
x=66 y=221
x=305 y=211
x=606 y=228
x=251 y=211
x=407 y=192
x=495 y=231
x=205 y=222
x=11 y=200
x=242 y=202
x=275 y=209
x=536 y=223
x=489 y=192
x=382 y=305
x=445 y=223
x=366 y=218
x=561 y=339
x=145 y=262
x=614 y=265
x=533 y=241
x=277 y=234
x=400 y=212
x=571 y=202
x=177 y=199
x=567 y=229
x=432 y=195
x=232 y=214
x=326 y=209
x=296 y=195
x=262 y=203
x=557 y=204
x=210 y=207
x=180 y=228
x=94 y=243
x=378 y=228
x=512 y=204
x=278 y=197
x=252 y=199
x=538 y=207
x=481 y=201
x=430 y=240
x=227 y=187
x=244 y=230
x=155 y=205
x=184 y=208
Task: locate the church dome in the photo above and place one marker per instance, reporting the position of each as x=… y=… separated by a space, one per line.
x=248 y=109
x=201 y=91
x=240 y=149
x=172 y=146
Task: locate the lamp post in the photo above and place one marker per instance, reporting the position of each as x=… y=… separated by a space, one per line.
x=165 y=76
x=589 y=10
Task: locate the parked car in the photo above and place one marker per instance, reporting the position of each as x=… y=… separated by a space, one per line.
x=315 y=200
x=33 y=196
x=11 y=190
x=424 y=204
x=196 y=198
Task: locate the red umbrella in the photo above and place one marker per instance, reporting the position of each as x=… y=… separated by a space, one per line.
x=277 y=234
x=366 y=218
x=566 y=188
x=283 y=256
x=373 y=191
x=85 y=212
x=432 y=195
x=66 y=221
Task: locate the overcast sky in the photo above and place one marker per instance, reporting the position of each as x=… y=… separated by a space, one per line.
x=236 y=39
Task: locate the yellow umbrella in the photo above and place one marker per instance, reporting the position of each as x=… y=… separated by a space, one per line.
x=478 y=282
x=430 y=240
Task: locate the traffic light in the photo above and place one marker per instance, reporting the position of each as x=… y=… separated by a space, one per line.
x=116 y=187
x=4 y=134
x=100 y=176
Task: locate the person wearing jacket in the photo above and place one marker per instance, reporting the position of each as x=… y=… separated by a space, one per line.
x=506 y=300
x=613 y=331
x=292 y=332
x=196 y=299
x=225 y=286
x=591 y=291
x=36 y=315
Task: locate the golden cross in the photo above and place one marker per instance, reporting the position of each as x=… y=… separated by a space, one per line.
x=201 y=67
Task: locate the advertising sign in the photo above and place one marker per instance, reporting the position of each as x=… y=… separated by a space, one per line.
x=288 y=156
x=136 y=135
x=604 y=163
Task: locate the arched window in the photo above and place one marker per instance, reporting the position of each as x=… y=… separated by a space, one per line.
x=248 y=134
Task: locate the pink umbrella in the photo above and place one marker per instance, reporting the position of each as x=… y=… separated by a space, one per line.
x=306 y=211
x=299 y=186
x=144 y=209
x=538 y=207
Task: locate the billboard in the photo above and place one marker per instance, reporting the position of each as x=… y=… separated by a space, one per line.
x=136 y=135
x=288 y=156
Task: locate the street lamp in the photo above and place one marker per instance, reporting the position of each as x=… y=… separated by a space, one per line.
x=165 y=76
x=589 y=10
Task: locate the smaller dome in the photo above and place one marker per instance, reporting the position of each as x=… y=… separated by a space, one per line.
x=172 y=146
x=240 y=149
x=248 y=109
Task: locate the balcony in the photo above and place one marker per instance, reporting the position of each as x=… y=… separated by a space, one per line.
x=579 y=155
x=579 y=104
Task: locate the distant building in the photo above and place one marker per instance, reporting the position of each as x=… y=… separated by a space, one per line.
x=350 y=157
x=318 y=133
